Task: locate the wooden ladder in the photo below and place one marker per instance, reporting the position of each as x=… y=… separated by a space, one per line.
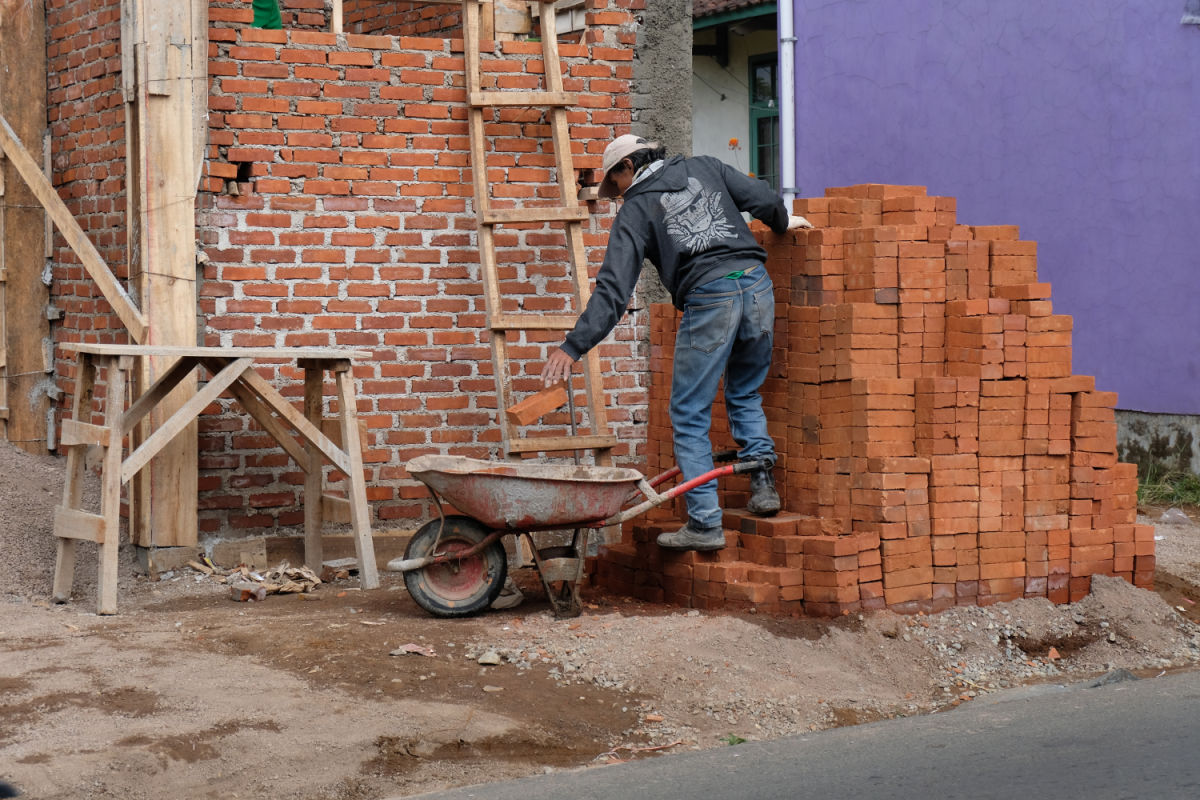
x=505 y=325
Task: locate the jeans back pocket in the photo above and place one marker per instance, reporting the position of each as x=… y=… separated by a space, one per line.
x=764 y=309
x=705 y=326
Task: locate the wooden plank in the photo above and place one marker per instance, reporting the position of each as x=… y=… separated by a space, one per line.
x=502 y=216
x=75 y=432
x=558 y=444
x=532 y=99
x=512 y=17
x=83 y=248
x=314 y=505
x=360 y=512
x=335 y=509
x=337 y=20
x=23 y=298
x=269 y=422
x=531 y=322
x=169 y=88
x=309 y=432
x=536 y=406
x=257 y=353
x=183 y=417
x=81 y=407
x=110 y=483
x=157 y=391
x=71 y=523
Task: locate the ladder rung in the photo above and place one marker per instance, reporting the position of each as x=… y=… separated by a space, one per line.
x=556 y=444
x=485 y=99
x=546 y=214
x=533 y=322
x=71 y=523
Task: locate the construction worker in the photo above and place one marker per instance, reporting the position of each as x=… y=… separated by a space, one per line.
x=685 y=216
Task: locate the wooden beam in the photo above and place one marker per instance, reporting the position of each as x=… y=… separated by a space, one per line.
x=24 y=327
x=71 y=523
x=166 y=99
x=83 y=248
x=183 y=417
x=309 y=432
x=502 y=216
x=360 y=512
x=75 y=432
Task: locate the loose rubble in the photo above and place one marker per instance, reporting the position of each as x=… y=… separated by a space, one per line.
x=710 y=675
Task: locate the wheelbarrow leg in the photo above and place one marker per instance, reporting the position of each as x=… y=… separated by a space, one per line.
x=561 y=571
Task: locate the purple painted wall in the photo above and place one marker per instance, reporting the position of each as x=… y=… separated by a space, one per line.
x=1079 y=122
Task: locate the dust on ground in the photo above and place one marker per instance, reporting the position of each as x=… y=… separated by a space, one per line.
x=185 y=693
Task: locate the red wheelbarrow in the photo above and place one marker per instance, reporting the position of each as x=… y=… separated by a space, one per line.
x=456 y=565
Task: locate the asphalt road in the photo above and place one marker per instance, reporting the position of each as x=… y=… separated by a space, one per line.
x=1131 y=739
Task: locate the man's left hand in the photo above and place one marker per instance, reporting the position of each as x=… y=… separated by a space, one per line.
x=558 y=367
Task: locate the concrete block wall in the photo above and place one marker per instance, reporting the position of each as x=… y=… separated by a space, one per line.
x=934 y=447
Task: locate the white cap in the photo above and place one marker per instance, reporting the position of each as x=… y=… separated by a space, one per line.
x=617 y=150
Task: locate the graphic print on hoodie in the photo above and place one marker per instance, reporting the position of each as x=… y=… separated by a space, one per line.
x=695 y=217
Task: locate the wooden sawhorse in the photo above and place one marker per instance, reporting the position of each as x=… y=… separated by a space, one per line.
x=232 y=370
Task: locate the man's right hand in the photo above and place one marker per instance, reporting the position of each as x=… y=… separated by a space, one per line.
x=558 y=367
x=796 y=222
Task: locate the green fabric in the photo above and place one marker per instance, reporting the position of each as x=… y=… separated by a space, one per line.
x=266 y=14
x=735 y=275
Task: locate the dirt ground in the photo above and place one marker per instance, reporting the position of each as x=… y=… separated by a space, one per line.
x=186 y=693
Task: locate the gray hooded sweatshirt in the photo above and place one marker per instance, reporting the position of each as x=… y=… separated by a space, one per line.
x=686 y=219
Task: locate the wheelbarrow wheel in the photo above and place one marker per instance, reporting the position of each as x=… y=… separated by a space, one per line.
x=456 y=588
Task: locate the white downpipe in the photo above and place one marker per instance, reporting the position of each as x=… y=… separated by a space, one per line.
x=787 y=101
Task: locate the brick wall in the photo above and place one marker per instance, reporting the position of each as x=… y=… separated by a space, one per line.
x=337 y=211
x=934 y=447
x=295 y=14
x=86 y=119
x=402 y=18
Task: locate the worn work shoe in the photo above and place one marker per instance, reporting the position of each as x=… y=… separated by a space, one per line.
x=764 y=500
x=693 y=537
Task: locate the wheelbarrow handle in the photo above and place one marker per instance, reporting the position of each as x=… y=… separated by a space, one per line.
x=749 y=465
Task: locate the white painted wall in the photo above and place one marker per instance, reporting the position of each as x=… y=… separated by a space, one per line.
x=715 y=120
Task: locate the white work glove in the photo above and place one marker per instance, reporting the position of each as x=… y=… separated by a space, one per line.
x=795 y=223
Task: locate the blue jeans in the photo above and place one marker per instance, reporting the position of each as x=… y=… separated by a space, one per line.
x=727 y=329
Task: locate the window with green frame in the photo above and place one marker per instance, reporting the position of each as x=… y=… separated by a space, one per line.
x=764 y=118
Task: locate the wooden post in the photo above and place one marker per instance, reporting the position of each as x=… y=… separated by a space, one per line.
x=64 y=564
x=110 y=489
x=23 y=295
x=314 y=385
x=336 y=20
x=164 y=69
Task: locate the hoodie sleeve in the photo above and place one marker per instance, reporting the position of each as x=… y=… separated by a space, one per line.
x=615 y=283
x=755 y=197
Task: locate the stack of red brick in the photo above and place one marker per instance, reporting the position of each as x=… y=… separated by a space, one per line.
x=934 y=447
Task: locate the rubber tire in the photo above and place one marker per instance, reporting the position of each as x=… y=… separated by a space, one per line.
x=441 y=591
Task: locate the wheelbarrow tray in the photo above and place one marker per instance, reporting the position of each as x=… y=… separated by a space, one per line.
x=525 y=496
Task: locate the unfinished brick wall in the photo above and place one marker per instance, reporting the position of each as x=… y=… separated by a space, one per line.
x=402 y=18
x=86 y=120
x=295 y=14
x=338 y=211
x=934 y=447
